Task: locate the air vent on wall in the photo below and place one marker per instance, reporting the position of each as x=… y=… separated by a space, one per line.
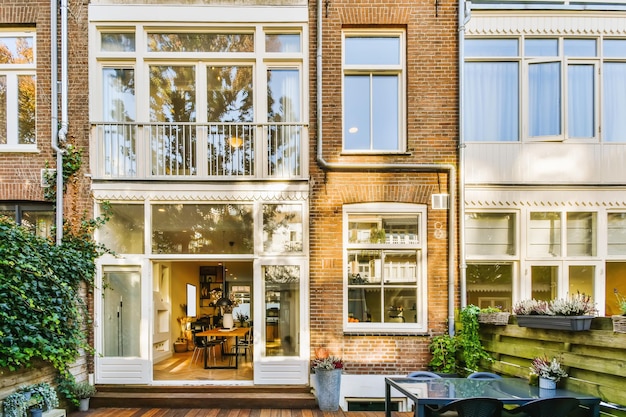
x=440 y=201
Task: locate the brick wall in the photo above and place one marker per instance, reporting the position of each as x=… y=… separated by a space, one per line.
x=20 y=177
x=432 y=119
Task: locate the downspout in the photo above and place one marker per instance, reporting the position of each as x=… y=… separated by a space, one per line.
x=346 y=167
x=465 y=14
x=55 y=119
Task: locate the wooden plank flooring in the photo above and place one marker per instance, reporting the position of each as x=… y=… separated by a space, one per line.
x=213 y=412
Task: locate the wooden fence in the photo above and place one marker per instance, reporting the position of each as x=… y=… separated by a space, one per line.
x=595 y=359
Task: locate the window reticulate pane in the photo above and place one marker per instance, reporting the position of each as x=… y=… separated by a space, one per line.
x=544 y=235
x=39 y=222
x=202 y=228
x=124 y=232
x=490 y=285
x=491 y=47
x=400 y=306
x=26 y=109
x=117 y=42
x=283 y=95
x=172 y=94
x=490 y=234
x=357 y=117
x=118 y=92
x=200 y=42
x=229 y=94
x=400 y=267
x=580 y=101
x=365 y=267
x=541 y=47
x=580 y=47
x=491 y=101
x=282 y=42
x=615 y=273
x=3 y=110
x=16 y=50
x=386 y=118
x=581 y=280
x=364 y=305
x=544 y=279
x=616 y=234
x=544 y=99
x=282 y=298
x=282 y=228
x=614 y=102
x=372 y=51
x=383 y=229
x=581 y=234
x=121 y=302
x=614 y=48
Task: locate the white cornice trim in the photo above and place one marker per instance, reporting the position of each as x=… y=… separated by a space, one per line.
x=197 y=13
x=544 y=23
x=554 y=198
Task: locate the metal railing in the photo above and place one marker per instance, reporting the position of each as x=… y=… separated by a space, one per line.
x=151 y=151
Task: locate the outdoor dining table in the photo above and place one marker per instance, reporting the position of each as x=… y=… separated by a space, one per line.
x=441 y=391
x=236 y=332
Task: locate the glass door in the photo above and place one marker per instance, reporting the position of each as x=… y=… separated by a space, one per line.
x=121 y=351
x=282 y=354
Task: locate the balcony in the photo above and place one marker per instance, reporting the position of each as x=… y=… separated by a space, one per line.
x=195 y=151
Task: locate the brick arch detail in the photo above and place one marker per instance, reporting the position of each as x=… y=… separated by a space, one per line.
x=19 y=14
x=417 y=194
x=363 y=15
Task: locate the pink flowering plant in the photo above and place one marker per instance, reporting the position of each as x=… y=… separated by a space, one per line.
x=544 y=367
x=324 y=360
x=577 y=305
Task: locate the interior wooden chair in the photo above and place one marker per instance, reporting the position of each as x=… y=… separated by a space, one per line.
x=468 y=407
x=546 y=407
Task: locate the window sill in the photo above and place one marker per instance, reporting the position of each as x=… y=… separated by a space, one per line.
x=19 y=149
x=374 y=153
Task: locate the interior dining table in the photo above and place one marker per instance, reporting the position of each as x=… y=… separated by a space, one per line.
x=235 y=332
x=441 y=391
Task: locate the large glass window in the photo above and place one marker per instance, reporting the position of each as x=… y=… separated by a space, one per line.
x=202 y=228
x=17 y=90
x=385 y=268
x=121 y=320
x=282 y=228
x=544 y=234
x=124 y=231
x=558 y=78
x=373 y=92
x=282 y=309
x=490 y=285
x=616 y=234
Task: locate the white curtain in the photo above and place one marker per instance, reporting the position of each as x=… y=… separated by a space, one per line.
x=614 y=104
x=491 y=101
x=580 y=101
x=544 y=105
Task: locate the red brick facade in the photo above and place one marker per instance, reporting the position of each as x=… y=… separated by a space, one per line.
x=432 y=118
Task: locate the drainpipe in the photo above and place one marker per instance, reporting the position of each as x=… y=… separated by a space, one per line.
x=347 y=167
x=55 y=120
x=465 y=14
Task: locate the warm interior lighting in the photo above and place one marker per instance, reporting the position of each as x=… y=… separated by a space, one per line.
x=353 y=129
x=235 y=141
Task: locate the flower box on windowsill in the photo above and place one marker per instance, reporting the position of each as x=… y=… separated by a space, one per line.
x=499 y=319
x=568 y=323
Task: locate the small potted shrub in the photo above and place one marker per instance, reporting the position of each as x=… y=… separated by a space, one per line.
x=83 y=391
x=31 y=400
x=548 y=370
x=443 y=350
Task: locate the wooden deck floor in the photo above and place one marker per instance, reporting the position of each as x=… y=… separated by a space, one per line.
x=210 y=412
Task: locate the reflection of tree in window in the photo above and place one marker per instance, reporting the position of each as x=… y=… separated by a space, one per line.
x=277 y=219
x=283 y=105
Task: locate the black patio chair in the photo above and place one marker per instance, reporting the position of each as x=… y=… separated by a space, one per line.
x=547 y=407
x=469 y=407
x=484 y=375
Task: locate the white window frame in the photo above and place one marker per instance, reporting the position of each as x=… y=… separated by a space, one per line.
x=368 y=69
x=420 y=247
x=11 y=72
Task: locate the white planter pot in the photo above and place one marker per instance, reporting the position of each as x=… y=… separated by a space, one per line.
x=546 y=383
x=227 y=321
x=83 y=404
x=328 y=387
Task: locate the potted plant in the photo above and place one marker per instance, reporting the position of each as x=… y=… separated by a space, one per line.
x=493 y=315
x=242 y=319
x=443 y=350
x=549 y=371
x=83 y=391
x=574 y=313
x=619 y=320
x=30 y=400
x=327 y=369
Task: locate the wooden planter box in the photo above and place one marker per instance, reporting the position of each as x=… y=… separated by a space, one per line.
x=619 y=324
x=499 y=319
x=569 y=323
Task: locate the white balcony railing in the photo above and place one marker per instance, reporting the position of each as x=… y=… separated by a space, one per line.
x=550 y=4
x=232 y=151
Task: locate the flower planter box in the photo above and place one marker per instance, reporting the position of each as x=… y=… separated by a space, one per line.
x=499 y=319
x=570 y=323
